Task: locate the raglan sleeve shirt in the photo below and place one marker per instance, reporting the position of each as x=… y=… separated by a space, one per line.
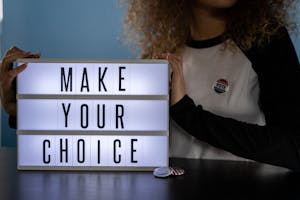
x=276 y=143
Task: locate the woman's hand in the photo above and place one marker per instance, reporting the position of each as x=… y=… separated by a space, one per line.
x=177 y=79
x=8 y=74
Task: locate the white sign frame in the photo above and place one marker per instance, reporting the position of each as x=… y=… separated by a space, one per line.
x=163 y=96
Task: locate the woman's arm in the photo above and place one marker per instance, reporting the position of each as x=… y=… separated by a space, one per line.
x=269 y=144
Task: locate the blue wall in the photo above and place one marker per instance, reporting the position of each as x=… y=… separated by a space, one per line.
x=63 y=29
x=66 y=29
x=296 y=36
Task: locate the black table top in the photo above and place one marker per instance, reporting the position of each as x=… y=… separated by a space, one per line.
x=204 y=179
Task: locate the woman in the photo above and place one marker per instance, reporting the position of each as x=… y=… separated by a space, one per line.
x=234 y=80
x=234 y=76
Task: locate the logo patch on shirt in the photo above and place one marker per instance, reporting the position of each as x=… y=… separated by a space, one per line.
x=220 y=86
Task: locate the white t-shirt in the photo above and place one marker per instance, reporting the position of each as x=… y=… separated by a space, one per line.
x=223 y=82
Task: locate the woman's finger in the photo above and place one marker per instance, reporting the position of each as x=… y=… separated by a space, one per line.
x=12 y=74
x=36 y=55
x=161 y=56
x=176 y=64
x=13 y=50
x=8 y=60
x=167 y=56
x=8 y=78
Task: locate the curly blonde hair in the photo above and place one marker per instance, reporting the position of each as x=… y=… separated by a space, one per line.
x=158 y=26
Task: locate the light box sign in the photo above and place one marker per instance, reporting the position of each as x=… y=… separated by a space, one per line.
x=93 y=115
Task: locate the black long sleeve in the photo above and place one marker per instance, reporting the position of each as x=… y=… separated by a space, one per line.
x=12 y=122
x=276 y=143
x=268 y=144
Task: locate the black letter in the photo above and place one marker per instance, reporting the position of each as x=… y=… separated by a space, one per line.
x=101 y=79
x=86 y=116
x=78 y=151
x=133 y=150
x=63 y=79
x=120 y=116
x=121 y=78
x=44 y=151
x=63 y=150
x=115 y=160
x=66 y=112
x=86 y=80
x=98 y=151
x=103 y=116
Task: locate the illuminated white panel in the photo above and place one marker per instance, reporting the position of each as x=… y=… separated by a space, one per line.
x=117 y=115
x=94 y=78
x=92 y=151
